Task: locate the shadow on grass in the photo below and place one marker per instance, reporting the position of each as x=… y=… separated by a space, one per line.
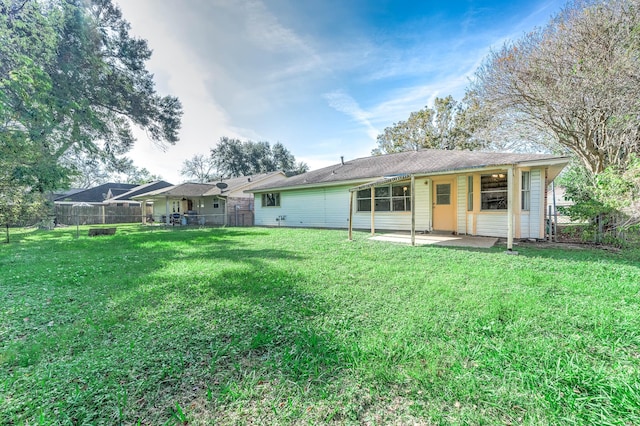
x=163 y=318
x=630 y=257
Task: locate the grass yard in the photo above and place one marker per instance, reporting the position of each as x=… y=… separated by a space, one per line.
x=279 y=326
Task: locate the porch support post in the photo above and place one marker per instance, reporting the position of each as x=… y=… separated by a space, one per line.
x=225 y=211
x=510 y=202
x=373 y=211
x=413 y=210
x=351 y=216
x=166 y=218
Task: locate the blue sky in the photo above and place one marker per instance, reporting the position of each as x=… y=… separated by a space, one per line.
x=323 y=77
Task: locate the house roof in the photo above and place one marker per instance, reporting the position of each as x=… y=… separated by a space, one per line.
x=428 y=161
x=96 y=194
x=63 y=193
x=207 y=189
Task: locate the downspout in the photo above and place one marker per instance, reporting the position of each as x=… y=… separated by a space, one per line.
x=166 y=217
x=413 y=210
x=225 y=211
x=351 y=195
x=430 y=202
x=373 y=211
x=555 y=211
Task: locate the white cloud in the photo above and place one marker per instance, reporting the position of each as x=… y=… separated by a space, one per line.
x=243 y=70
x=344 y=103
x=179 y=72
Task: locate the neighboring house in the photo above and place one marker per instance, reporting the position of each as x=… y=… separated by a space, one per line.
x=96 y=195
x=463 y=192
x=107 y=203
x=126 y=198
x=213 y=203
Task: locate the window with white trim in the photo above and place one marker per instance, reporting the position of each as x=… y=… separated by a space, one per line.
x=526 y=191
x=388 y=198
x=271 y=199
x=493 y=191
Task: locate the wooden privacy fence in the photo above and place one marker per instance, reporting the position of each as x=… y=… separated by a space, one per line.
x=239 y=213
x=67 y=214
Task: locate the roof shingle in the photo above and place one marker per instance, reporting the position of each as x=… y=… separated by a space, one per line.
x=409 y=162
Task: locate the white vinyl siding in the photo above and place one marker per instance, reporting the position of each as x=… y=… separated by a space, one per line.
x=492 y=225
x=537 y=193
x=329 y=208
x=525 y=225
x=469 y=218
x=530 y=220
x=309 y=208
x=462 y=205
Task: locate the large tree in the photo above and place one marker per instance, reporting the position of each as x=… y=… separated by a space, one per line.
x=449 y=124
x=199 y=168
x=72 y=79
x=233 y=157
x=575 y=80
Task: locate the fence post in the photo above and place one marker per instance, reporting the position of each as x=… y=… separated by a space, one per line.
x=600 y=229
x=555 y=212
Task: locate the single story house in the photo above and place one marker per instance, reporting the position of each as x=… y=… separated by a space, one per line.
x=214 y=203
x=107 y=203
x=462 y=192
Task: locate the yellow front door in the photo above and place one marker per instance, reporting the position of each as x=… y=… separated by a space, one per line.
x=444 y=212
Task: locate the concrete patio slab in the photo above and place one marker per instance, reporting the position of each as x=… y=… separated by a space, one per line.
x=438 y=240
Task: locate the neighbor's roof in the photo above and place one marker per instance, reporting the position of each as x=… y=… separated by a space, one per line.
x=428 y=161
x=95 y=195
x=141 y=189
x=235 y=184
x=181 y=190
x=207 y=189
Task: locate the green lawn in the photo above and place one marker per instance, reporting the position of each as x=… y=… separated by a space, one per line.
x=280 y=326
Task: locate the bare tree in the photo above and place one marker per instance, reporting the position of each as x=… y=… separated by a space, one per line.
x=200 y=167
x=575 y=80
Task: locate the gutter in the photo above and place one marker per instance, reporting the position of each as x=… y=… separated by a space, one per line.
x=366 y=181
x=309 y=185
